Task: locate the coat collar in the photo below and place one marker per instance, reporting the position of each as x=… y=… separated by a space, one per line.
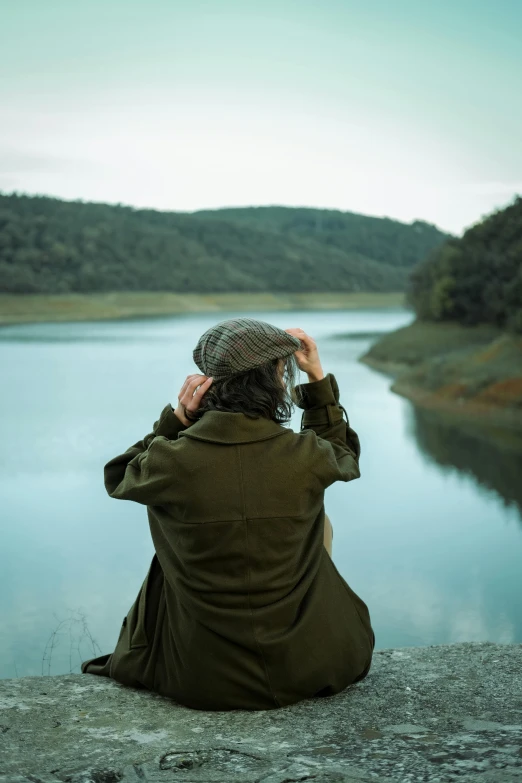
x=224 y=427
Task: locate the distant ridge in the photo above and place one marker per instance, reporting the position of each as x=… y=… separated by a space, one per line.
x=52 y=246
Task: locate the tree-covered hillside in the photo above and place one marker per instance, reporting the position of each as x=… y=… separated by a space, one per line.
x=382 y=239
x=477 y=278
x=53 y=246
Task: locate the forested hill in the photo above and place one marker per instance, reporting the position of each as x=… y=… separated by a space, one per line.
x=382 y=239
x=477 y=278
x=53 y=246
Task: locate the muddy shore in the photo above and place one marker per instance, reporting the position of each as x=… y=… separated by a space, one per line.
x=472 y=376
x=94 y=307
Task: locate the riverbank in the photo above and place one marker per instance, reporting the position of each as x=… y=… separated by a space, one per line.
x=33 y=308
x=470 y=375
x=445 y=713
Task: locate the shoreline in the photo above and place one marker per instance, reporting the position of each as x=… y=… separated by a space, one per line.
x=470 y=376
x=492 y=423
x=60 y=308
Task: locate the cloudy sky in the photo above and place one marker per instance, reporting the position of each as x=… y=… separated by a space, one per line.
x=403 y=108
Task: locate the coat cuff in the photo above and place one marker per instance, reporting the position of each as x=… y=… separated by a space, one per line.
x=315 y=395
x=168 y=424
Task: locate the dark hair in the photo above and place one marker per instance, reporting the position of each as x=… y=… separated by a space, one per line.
x=262 y=392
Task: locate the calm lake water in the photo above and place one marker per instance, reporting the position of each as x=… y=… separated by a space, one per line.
x=430 y=536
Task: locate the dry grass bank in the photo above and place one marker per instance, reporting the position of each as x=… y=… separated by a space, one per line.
x=91 y=307
x=467 y=373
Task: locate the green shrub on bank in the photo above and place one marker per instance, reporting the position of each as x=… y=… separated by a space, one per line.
x=476 y=279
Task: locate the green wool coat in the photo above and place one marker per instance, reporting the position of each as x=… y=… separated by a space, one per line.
x=242 y=607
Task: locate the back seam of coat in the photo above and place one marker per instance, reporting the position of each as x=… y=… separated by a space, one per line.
x=245 y=522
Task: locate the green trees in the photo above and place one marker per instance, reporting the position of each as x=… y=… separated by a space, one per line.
x=475 y=279
x=53 y=246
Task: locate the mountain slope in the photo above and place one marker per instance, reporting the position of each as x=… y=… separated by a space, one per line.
x=53 y=246
x=382 y=239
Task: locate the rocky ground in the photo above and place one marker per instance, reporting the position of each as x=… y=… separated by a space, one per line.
x=445 y=713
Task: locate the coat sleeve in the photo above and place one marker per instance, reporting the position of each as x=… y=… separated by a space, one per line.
x=143 y=473
x=338 y=447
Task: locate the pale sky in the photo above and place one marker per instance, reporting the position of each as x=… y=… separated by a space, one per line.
x=401 y=108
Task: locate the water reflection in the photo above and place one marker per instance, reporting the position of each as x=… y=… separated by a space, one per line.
x=453 y=448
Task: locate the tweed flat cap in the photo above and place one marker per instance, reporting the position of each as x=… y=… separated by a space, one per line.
x=240 y=344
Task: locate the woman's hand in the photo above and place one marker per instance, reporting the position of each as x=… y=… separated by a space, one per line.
x=308 y=357
x=190 y=396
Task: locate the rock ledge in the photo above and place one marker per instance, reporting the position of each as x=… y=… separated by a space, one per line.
x=445 y=713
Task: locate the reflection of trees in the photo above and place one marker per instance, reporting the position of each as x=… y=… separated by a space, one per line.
x=451 y=447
